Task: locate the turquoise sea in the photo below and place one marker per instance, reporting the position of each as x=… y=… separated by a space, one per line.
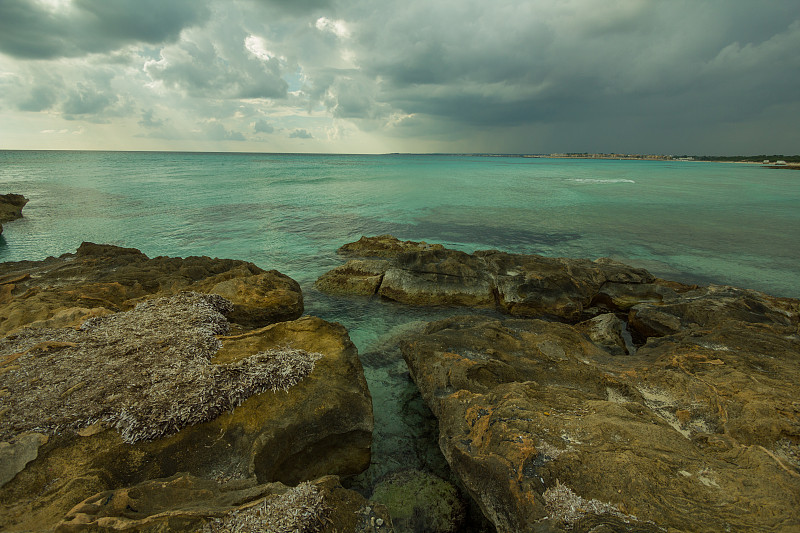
x=723 y=223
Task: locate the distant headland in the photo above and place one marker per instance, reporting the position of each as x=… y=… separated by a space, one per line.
x=769 y=161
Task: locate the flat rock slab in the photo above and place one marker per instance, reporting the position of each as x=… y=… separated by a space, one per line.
x=100 y=279
x=698 y=431
x=185 y=503
x=519 y=285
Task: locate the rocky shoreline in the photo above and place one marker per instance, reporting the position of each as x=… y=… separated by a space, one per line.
x=167 y=394
x=171 y=394
x=608 y=398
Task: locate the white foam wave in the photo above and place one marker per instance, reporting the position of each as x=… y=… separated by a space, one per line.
x=596 y=180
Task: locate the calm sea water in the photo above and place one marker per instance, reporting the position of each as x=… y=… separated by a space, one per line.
x=697 y=222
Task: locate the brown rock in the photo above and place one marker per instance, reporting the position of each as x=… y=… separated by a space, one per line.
x=698 y=431
x=520 y=285
x=360 y=277
x=533 y=285
x=11 y=206
x=712 y=306
x=187 y=503
x=623 y=296
x=385 y=246
x=109 y=278
x=139 y=405
x=259 y=299
x=438 y=277
x=608 y=331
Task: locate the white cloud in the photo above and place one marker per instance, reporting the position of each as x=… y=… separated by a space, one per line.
x=337 y=27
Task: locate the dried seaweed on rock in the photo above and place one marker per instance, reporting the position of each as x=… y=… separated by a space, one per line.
x=146 y=372
x=300 y=509
x=566 y=507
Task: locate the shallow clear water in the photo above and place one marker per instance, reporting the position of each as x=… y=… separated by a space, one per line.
x=698 y=222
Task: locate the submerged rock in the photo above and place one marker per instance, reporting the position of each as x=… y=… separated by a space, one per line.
x=419 y=501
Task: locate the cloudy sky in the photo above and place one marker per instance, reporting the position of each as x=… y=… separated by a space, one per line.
x=365 y=76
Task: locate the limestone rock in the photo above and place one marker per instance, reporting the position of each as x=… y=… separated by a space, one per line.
x=358 y=276
x=609 y=331
x=187 y=503
x=709 y=307
x=385 y=246
x=160 y=390
x=520 y=285
x=698 y=431
x=19 y=452
x=103 y=278
x=11 y=206
x=438 y=277
x=623 y=296
x=259 y=299
x=533 y=285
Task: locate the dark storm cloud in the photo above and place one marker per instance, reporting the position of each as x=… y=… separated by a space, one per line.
x=513 y=63
x=29 y=29
x=508 y=75
x=294 y=7
x=222 y=69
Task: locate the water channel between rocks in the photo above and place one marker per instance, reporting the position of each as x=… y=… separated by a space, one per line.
x=406 y=432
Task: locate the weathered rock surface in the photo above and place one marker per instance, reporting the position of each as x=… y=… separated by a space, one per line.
x=99 y=279
x=695 y=428
x=11 y=206
x=146 y=392
x=187 y=503
x=362 y=277
x=698 y=431
x=520 y=285
x=385 y=246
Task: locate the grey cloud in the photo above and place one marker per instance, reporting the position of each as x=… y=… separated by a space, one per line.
x=262 y=126
x=514 y=63
x=85 y=100
x=294 y=7
x=202 y=69
x=41 y=97
x=30 y=30
x=217 y=132
x=530 y=75
x=300 y=134
x=148 y=120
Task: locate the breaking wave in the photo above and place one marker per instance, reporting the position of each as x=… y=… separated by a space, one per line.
x=596 y=180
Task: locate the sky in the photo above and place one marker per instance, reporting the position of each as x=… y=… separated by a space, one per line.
x=674 y=77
